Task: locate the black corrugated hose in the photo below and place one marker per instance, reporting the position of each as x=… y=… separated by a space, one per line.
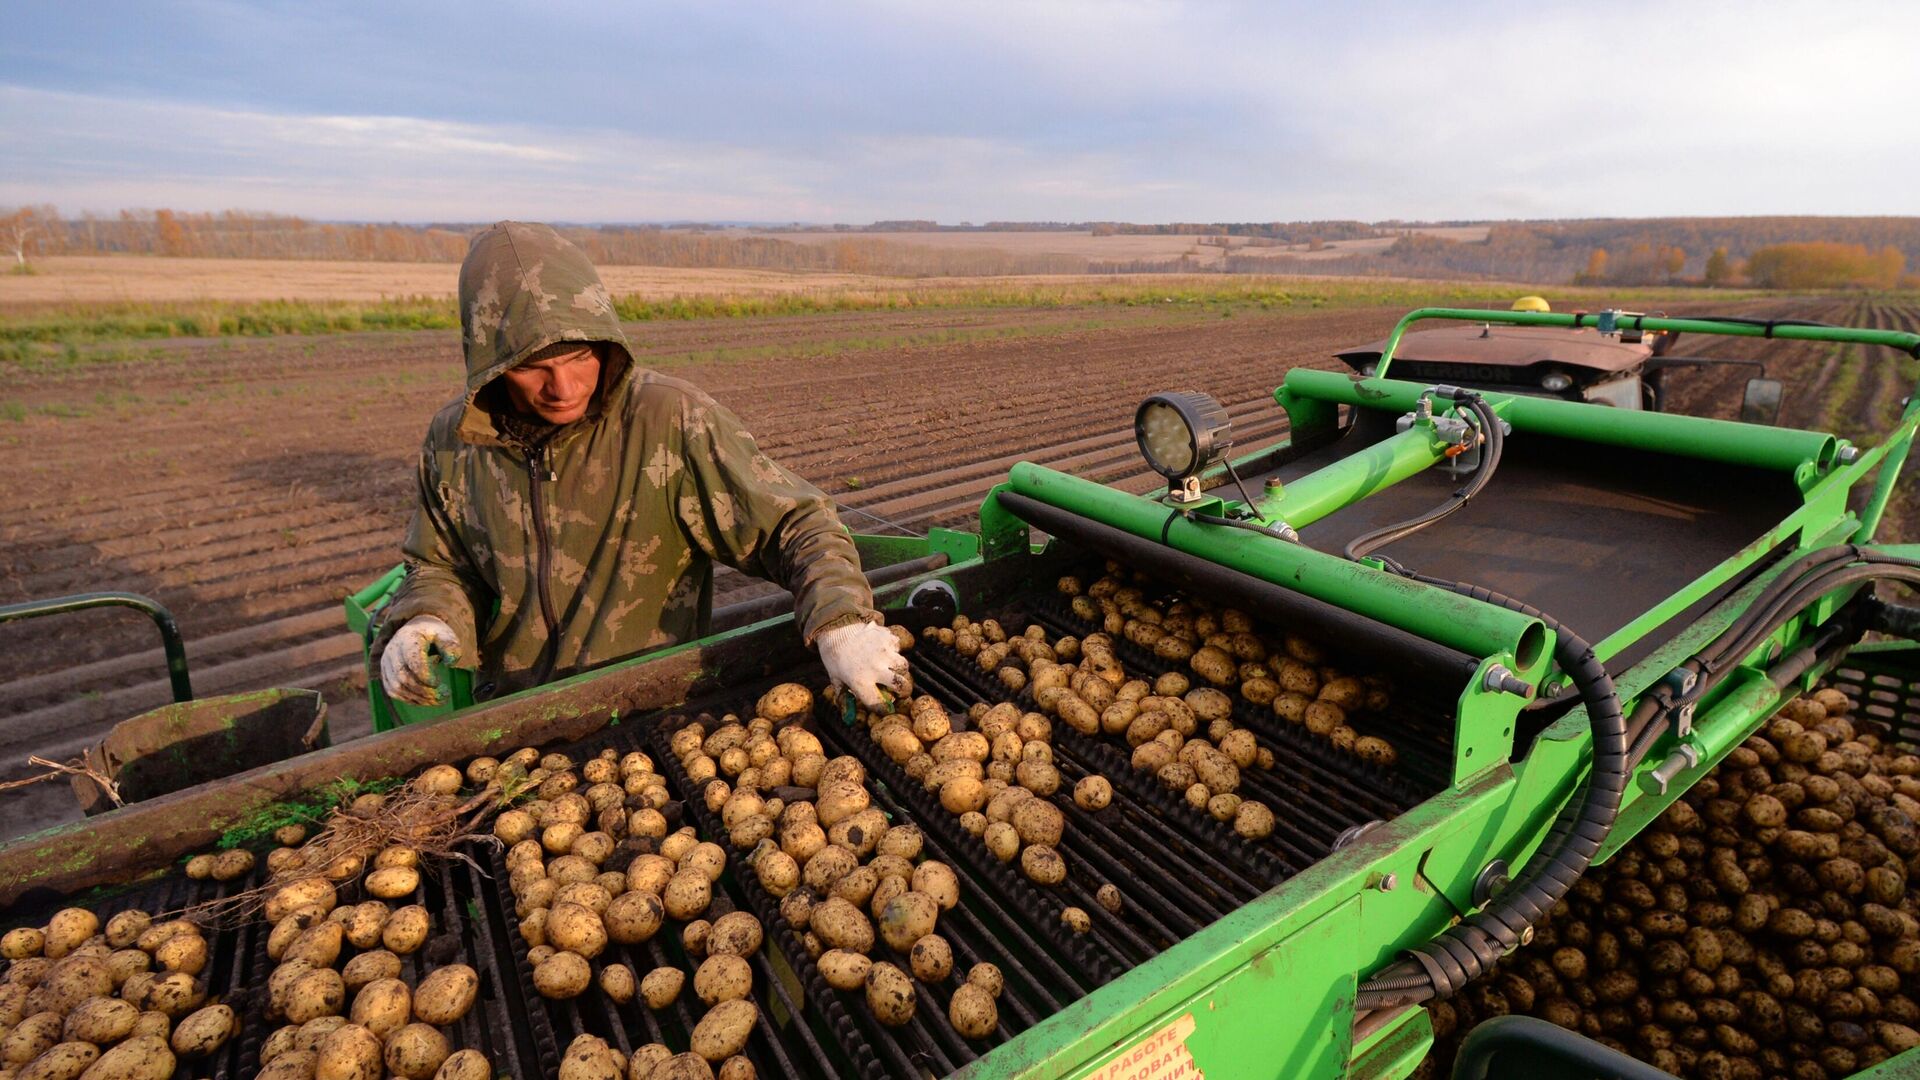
x=1442 y=966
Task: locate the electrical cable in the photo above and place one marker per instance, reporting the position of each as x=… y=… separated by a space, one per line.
x=1472 y=946
x=1493 y=443
x=1251 y=526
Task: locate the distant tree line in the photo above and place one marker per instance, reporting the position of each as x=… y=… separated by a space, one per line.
x=1764 y=252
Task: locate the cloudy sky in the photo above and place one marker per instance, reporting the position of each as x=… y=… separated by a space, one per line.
x=961 y=111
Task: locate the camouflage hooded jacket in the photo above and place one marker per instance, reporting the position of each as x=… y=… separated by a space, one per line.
x=595 y=541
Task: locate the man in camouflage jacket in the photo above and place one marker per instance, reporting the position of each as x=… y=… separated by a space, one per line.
x=572 y=504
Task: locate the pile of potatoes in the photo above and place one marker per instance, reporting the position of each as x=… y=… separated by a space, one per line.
x=594 y=859
x=1083 y=683
x=1764 y=925
x=121 y=1001
x=337 y=989
x=849 y=881
x=1294 y=678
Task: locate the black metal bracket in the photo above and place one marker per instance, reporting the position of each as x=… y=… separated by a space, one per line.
x=170 y=639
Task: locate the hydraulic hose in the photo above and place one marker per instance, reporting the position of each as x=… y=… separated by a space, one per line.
x=1442 y=966
x=1489 y=427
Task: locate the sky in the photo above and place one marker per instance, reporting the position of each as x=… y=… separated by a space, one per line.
x=863 y=110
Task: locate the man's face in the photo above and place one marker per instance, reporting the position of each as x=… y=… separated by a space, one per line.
x=557 y=389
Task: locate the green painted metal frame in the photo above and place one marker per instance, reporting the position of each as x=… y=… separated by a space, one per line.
x=1271 y=985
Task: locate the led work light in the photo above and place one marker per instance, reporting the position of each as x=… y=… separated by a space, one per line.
x=1181 y=433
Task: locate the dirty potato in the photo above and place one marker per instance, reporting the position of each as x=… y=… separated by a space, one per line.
x=973 y=1011
x=724 y=1031
x=723 y=977
x=445 y=995
x=844 y=969
x=890 y=995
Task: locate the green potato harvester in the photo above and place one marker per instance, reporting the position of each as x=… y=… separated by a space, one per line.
x=1581 y=610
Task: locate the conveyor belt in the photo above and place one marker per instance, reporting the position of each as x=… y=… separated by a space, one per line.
x=1177 y=869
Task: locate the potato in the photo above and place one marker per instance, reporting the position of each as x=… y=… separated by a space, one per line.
x=232 y=865
x=724 y=1031
x=1253 y=821
x=382 y=1006
x=465 y=1065
x=176 y=994
x=200 y=867
x=841 y=925
x=844 y=969
x=445 y=995
x=122 y=930
x=62 y=1061
x=100 y=1020
x=738 y=1067
x=562 y=975
x=370 y=966
x=618 y=983
x=67 y=930
x=931 y=959
x=736 y=933
x=987 y=976
x=1076 y=920
x=308 y=892
x=777 y=872
x=723 y=977
x=416 y=1051
x=406 y=930
x=316 y=993
x=661 y=987
x=22 y=942
x=973 y=1011
x=687 y=1066
x=1214 y=665
x=291 y=1065
x=937 y=880
x=204 y=1031
x=1376 y=750
x=513 y=826
x=393 y=883
x=72 y=981
x=1002 y=840
x=1093 y=792
x=1039 y=822
x=890 y=995
x=1043 y=865
x=907 y=918
x=784 y=702
x=318 y=945
x=687 y=894
x=30 y=1038
x=633 y=917
x=350 y=1052
x=576 y=928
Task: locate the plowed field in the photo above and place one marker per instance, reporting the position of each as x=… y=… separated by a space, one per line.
x=251 y=485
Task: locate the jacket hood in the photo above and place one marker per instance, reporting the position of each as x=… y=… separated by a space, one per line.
x=524 y=287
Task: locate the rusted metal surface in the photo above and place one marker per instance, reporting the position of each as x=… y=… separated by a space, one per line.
x=191 y=742
x=1506 y=347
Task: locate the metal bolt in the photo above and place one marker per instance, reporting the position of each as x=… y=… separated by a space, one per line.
x=1389 y=882
x=1501 y=681
x=1849 y=455
x=1684 y=757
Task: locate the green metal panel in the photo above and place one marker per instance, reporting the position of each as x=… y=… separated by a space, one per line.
x=1438 y=615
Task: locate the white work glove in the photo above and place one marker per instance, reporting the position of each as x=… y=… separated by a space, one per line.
x=406 y=667
x=864 y=658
